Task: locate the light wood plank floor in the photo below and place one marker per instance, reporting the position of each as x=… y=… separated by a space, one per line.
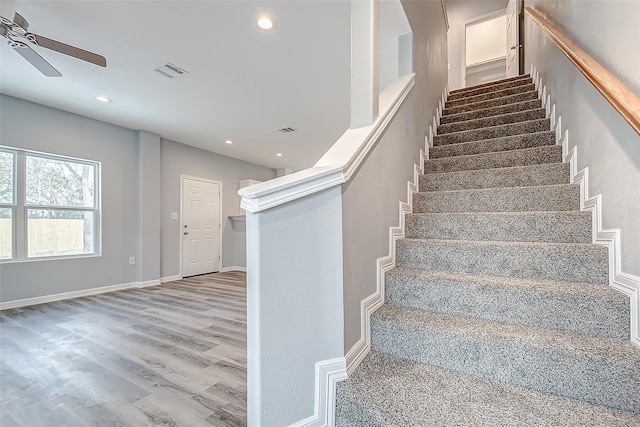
x=170 y=355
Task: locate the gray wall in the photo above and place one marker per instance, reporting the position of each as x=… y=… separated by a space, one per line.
x=459 y=12
x=180 y=159
x=607 y=30
x=34 y=127
x=370 y=199
x=294 y=305
x=138 y=169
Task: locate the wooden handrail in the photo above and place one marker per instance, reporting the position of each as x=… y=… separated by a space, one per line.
x=620 y=96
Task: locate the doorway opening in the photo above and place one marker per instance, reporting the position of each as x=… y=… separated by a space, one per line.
x=485 y=49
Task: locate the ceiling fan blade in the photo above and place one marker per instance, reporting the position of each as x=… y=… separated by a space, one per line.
x=36 y=60
x=76 y=52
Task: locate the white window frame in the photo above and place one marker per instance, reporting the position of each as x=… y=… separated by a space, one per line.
x=20 y=207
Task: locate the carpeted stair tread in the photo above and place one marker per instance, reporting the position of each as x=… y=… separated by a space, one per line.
x=472 y=91
x=526 y=260
x=597 y=369
x=503 y=143
x=564 y=197
x=545 y=227
x=517 y=176
x=487 y=95
x=556 y=305
x=498 y=310
x=502 y=119
x=492 y=111
x=492 y=132
x=505 y=100
x=490 y=85
x=393 y=392
x=497 y=159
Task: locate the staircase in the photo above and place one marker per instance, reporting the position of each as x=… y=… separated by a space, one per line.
x=498 y=312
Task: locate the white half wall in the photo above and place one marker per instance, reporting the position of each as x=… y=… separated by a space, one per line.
x=293 y=321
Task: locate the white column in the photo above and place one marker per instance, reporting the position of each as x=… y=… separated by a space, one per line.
x=364 y=62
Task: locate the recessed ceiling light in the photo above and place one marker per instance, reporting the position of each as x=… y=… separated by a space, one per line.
x=228 y=141
x=279 y=154
x=265 y=23
x=103 y=99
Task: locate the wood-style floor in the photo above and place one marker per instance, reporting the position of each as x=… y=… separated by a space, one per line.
x=170 y=355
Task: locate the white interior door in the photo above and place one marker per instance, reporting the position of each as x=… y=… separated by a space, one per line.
x=201 y=227
x=513 y=42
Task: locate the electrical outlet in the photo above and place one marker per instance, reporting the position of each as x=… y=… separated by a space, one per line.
x=132 y=260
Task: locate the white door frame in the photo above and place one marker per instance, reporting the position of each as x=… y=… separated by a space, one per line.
x=476 y=20
x=210 y=181
x=517 y=5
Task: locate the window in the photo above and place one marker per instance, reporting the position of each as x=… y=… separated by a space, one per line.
x=7 y=203
x=49 y=205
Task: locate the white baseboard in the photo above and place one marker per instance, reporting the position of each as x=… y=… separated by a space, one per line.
x=328 y=374
x=167 y=279
x=148 y=283
x=627 y=283
x=361 y=348
x=66 y=295
x=233 y=268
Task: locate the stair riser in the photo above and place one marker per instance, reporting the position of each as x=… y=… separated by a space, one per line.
x=492 y=88
x=491 y=112
x=502 y=159
x=521 y=116
x=493 y=132
x=535 y=307
x=529 y=176
x=511 y=99
x=587 y=378
x=493 y=145
x=489 y=95
x=523 y=260
x=489 y=85
x=543 y=227
x=525 y=199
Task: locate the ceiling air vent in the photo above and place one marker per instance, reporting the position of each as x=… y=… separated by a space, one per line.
x=169 y=70
x=287 y=130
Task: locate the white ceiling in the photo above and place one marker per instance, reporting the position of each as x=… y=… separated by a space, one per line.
x=244 y=83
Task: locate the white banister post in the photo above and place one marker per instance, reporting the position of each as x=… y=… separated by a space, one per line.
x=364 y=62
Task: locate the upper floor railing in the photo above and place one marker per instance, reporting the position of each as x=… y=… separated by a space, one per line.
x=625 y=101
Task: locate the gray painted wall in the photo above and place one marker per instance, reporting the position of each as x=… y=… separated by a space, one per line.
x=294 y=305
x=140 y=187
x=459 y=12
x=606 y=143
x=180 y=159
x=149 y=227
x=35 y=127
x=370 y=199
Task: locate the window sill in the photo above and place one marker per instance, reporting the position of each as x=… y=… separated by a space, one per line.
x=20 y=261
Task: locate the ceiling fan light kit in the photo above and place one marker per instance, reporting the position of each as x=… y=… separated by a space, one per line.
x=15 y=30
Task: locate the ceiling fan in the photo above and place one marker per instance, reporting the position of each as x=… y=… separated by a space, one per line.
x=14 y=28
